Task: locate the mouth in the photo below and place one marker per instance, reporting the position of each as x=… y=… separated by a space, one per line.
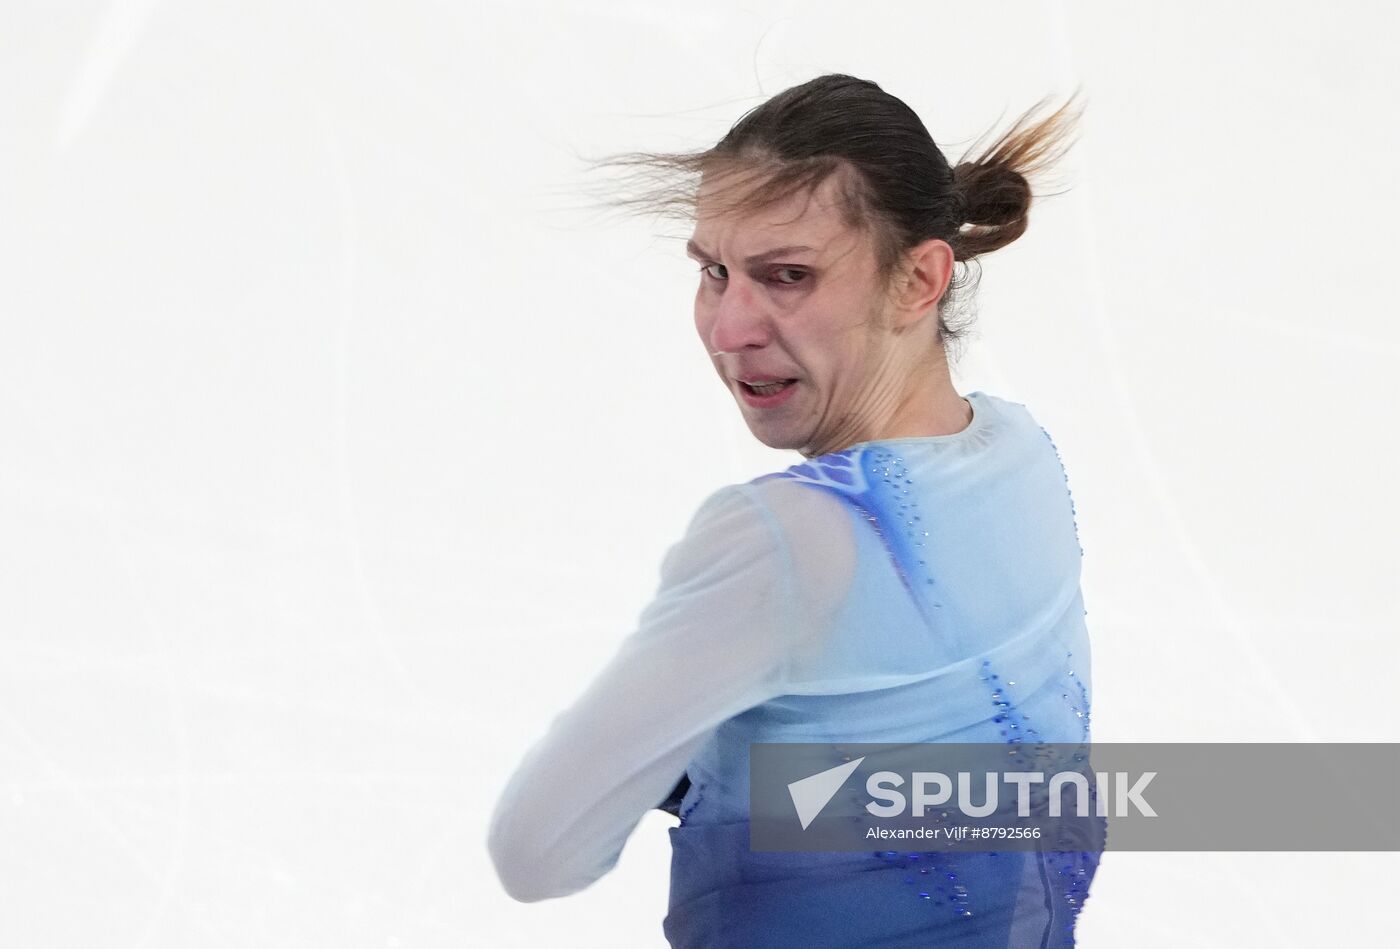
x=766 y=386
x=766 y=393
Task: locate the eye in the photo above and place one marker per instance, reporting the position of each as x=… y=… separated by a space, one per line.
x=796 y=276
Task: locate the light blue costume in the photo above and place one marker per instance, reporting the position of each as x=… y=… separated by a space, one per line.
x=921 y=589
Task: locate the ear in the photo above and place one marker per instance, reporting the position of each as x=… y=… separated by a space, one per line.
x=927 y=271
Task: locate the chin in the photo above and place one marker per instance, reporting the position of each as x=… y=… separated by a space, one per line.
x=775 y=438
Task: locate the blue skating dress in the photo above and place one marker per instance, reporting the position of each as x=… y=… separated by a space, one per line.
x=920 y=589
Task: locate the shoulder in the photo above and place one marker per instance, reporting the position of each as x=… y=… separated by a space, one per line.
x=1009 y=412
x=808 y=505
x=734 y=536
x=788 y=503
x=786 y=530
x=805 y=504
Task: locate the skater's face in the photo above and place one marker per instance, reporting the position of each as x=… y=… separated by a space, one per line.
x=792 y=293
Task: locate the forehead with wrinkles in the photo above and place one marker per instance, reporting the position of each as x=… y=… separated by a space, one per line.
x=807 y=223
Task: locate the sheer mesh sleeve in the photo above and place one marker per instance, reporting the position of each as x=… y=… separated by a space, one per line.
x=716 y=639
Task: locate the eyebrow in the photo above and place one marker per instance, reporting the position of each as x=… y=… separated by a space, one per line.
x=694 y=250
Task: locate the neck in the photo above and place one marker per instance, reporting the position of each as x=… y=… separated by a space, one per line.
x=927 y=405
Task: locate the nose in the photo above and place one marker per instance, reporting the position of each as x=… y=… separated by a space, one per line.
x=737 y=321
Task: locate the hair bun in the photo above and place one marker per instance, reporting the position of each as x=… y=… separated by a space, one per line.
x=994 y=195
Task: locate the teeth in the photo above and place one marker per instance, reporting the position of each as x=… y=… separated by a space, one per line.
x=767 y=388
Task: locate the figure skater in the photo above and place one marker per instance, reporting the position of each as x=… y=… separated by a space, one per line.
x=915 y=578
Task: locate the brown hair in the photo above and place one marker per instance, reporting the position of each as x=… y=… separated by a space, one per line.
x=894 y=180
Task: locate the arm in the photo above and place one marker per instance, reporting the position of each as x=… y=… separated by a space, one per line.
x=713 y=642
